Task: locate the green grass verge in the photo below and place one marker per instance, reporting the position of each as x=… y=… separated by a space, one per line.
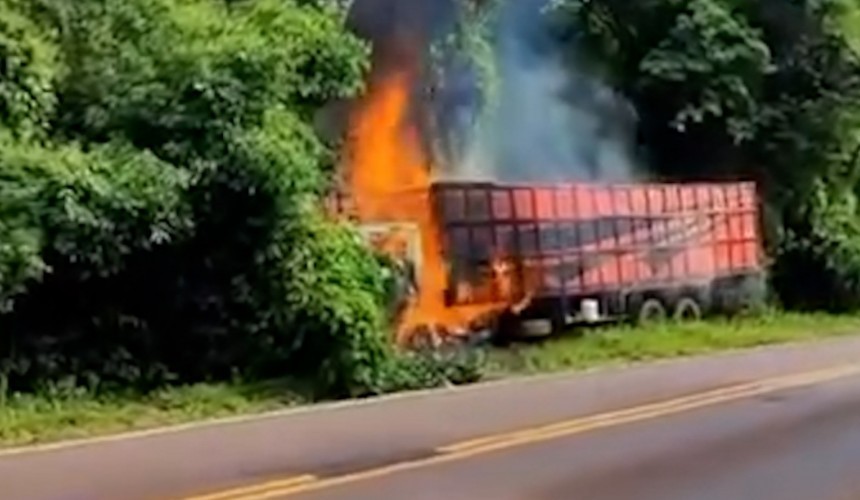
x=623 y=345
x=30 y=419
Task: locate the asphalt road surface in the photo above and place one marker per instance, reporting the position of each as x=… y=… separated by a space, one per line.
x=779 y=423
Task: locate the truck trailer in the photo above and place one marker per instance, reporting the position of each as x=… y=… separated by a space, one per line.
x=585 y=253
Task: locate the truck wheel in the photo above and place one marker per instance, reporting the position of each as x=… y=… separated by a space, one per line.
x=687 y=309
x=651 y=311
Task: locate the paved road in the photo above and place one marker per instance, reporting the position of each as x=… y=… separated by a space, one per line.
x=779 y=423
x=801 y=444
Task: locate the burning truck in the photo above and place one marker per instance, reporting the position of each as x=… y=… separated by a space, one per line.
x=551 y=256
x=527 y=257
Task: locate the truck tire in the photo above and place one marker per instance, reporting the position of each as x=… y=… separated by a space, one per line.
x=687 y=309
x=650 y=311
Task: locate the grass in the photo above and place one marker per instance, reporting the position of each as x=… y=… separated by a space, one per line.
x=31 y=419
x=623 y=345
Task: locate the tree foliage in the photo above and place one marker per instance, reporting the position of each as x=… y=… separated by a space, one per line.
x=158 y=185
x=765 y=90
x=26 y=75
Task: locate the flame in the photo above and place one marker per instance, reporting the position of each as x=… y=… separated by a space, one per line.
x=389 y=177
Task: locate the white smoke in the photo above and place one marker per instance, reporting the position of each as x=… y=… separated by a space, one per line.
x=550 y=121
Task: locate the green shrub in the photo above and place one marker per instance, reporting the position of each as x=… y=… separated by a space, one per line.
x=89 y=210
x=427 y=369
x=822 y=247
x=332 y=309
x=81 y=219
x=27 y=73
x=196 y=252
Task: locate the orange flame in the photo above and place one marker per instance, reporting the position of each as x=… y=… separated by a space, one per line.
x=389 y=176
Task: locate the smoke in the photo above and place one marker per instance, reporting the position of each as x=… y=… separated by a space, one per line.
x=401 y=33
x=385 y=21
x=548 y=119
x=551 y=120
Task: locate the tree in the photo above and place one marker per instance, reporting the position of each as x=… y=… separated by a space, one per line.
x=765 y=90
x=27 y=74
x=165 y=221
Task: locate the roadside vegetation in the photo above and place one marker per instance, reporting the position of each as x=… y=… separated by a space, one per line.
x=626 y=344
x=163 y=256
x=70 y=413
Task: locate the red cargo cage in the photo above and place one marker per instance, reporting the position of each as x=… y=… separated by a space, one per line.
x=629 y=250
x=624 y=245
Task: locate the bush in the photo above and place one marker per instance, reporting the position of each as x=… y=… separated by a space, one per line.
x=423 y=369
x=823 y=247
x=81 y=218
x=27 y=73
x=327 y=316
x=194 y=252
x=89 y=210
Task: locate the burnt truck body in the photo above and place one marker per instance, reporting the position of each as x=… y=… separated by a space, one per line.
x=588 y=253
